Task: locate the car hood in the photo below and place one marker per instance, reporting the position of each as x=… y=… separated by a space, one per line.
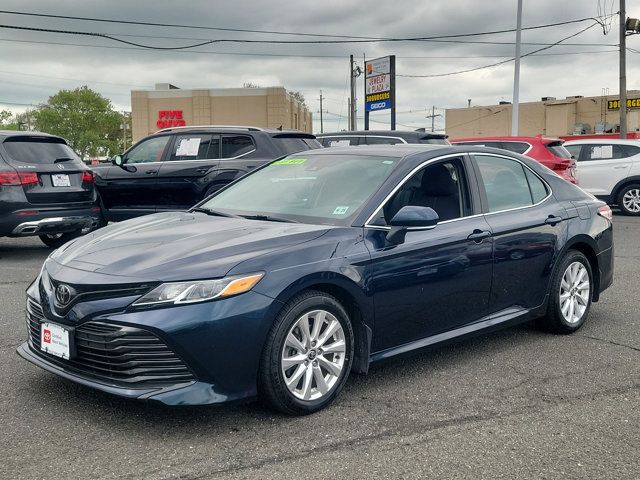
x=179 y=246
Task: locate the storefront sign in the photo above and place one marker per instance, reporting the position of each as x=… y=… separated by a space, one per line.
x=379 y=87
x=631 y=103
x=170 y=118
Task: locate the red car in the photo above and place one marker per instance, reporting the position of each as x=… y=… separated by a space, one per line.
x=547 y=151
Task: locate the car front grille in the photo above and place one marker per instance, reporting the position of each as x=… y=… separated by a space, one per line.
x=113 y=354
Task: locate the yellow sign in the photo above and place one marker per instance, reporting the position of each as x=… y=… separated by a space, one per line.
x=376 y=97
x=631 y=103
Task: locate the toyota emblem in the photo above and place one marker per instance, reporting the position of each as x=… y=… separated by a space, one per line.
x=63 y=294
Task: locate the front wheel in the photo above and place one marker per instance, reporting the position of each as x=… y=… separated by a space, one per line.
x=629 y=199
x=307 y=356
x=571 y=294
x=56 y=240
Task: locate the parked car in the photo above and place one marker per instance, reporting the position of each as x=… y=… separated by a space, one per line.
x=175 y=168
x=550 y=152
x=317 y=265
x=380 y=137
x=45 y=189
x=610 y=170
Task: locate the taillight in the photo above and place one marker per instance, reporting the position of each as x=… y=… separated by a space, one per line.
x=22 y=178
x=605 y=212
x=87 y=176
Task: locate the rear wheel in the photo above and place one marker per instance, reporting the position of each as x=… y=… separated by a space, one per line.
x=629 y=199
x=571 y=293
x=307 y=356
x=56 y=240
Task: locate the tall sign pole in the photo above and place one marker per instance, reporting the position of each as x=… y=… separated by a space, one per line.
x=623 y=70
x=380 y=88
x=515 y=111
x=354 y=123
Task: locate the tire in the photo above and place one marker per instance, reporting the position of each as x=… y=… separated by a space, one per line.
x=308 y=363
x=569 y=298
x=56 y=240
x=629 y=199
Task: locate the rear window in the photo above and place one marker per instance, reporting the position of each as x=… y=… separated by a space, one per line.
x=236 y=145
x=434 y=140
x=516 y=147
x=342 y=141
x=293 y=145
x=37 y=150
x=558 y=150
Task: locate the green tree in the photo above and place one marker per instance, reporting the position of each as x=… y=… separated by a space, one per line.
x=85 y=118
x=8 y=121
x=299 y=97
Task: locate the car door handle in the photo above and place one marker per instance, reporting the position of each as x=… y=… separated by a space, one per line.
x=553 y=220
x=617 y=167
x=479 y=235
x=202 y=170
x=151 y=172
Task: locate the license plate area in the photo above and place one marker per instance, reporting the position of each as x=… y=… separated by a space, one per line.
x=60 y=180
x=56 y=340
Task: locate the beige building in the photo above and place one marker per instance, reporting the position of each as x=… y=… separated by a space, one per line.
x=550 y=116
x=169 y=106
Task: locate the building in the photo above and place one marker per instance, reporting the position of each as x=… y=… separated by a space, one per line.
x=550 y=116
x=170 y=106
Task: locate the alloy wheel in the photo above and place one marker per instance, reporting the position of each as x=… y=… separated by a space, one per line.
x=575 y=290
x=631 y=200
x=313 y=355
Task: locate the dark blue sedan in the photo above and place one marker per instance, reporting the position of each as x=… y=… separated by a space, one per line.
x=315 y=266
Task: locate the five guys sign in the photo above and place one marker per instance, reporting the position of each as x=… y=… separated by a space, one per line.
x=380 y=88
x=170 y=118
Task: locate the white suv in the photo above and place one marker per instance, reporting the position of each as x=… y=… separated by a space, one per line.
x=610 y=170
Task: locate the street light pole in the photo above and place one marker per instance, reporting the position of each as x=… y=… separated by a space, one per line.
x=623 y=70
x=515 y=112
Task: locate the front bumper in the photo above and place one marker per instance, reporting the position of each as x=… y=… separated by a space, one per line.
x=220 y=342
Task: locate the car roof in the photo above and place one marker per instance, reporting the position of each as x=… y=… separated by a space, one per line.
x=230 y=128
x=398 y=151
x=385 y=133
x=613 y=141
x=4 y=134
x=507 y=139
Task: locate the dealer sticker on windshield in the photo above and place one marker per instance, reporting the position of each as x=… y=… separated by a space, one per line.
x=290 y=161
x=340 y=210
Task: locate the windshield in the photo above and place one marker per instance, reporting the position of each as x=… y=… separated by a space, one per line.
x=38 y=150
x=325 y=189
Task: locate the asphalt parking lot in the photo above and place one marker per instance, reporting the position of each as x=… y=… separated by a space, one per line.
x=515 y=404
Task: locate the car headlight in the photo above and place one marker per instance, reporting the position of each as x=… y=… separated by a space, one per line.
x=178 y=293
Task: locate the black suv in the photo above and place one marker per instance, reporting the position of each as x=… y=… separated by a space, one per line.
x=45 y=189
x=381 y=137
x=175 y=168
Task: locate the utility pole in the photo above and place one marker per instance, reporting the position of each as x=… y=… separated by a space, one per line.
x=515 y=111
x=353 y=124
x=433 y=118
x=321 y=124
x=623 y=70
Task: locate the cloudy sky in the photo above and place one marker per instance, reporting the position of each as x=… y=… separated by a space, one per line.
x=35 y=65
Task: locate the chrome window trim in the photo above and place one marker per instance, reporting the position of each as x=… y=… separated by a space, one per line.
x=405 y=180
x=458 y=155
x=524 y=166
x=363 y=136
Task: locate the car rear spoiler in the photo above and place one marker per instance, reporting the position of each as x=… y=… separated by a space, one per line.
x=293 y=135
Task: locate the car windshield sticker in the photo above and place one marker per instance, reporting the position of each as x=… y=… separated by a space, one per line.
x=602 y=151
x=290 y=161
x=387 y=162
x=188 y=147
x=340 y=210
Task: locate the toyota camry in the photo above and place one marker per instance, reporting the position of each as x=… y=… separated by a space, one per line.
x=317 y=265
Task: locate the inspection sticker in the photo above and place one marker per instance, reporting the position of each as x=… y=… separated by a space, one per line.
x=340 y=210
x=290 y=161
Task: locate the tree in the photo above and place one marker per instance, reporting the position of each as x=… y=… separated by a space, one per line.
x=299 y=97
x=250 y=85
x=8 y=121
x=85 y=118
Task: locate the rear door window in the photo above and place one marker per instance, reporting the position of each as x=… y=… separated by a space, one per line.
x=505 y=183
x=236 y=145
x=34 y=150
x=195 y=147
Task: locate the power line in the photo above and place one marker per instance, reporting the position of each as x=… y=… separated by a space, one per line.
x=72 y=79
x=350 y=38
x=434 y=75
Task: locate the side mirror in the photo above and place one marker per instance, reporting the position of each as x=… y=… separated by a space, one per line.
x=411 y=217
x=117 y=160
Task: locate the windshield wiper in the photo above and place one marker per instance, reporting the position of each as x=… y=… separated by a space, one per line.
x=214 y=213
x=63 y=159
x=269 y=218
